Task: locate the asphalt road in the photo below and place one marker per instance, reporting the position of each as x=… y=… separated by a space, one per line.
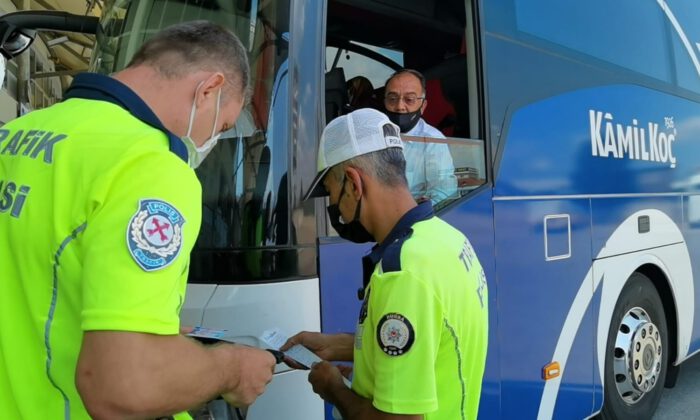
x=683 y=401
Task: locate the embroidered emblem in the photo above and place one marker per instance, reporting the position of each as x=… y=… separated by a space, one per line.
x=395 y=334
x=154 y=235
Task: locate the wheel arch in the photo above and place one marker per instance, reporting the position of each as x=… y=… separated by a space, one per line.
x=664 y=258
x=663 y=286
x=670 y=272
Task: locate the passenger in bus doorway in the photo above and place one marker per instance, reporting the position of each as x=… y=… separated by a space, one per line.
x=429 y=165
x=95 y=256
x=420 y=345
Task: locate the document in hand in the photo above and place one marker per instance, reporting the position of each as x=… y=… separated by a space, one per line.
x=270 y=339
x=298 y=353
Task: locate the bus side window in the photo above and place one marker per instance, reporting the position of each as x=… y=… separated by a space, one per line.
x=440 y=113
x=445 y=158
x=447 y=88
x=470 y=169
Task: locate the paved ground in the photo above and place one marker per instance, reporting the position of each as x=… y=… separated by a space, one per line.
x=683 y=401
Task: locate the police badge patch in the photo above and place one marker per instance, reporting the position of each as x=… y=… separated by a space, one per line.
x=154 y=235
x=395 y=334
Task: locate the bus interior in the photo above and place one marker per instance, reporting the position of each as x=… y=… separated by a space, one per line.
x=368 y=40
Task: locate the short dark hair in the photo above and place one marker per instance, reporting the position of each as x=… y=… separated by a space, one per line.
x=197 y=45
x=416 y=73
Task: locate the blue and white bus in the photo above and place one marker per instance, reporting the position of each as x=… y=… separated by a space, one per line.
x=573 y=129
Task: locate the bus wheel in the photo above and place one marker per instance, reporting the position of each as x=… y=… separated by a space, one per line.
x=636 y=352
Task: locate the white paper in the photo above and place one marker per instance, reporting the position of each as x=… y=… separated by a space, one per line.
x=302 y=355
x=274 y=338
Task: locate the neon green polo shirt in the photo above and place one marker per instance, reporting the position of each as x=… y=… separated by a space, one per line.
x=420 y=345
x=97 y=220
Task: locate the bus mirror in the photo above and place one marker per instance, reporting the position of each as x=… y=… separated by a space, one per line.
x=13 y=41
x=18 y=29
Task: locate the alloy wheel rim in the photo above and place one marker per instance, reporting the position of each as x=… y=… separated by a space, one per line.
x=637 y=355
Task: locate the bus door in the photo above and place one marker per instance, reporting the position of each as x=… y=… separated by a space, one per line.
x=363 y=48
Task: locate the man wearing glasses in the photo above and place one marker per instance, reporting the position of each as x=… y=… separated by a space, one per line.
x=429 y=166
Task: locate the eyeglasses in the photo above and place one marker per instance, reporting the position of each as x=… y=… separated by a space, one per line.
x=410 y=99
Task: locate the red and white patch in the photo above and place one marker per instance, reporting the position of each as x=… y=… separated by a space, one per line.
x=154 y=234
x=158 y=230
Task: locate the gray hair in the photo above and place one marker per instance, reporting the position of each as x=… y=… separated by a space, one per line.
x=197 y=45
x=387 y=166
x=415 y=73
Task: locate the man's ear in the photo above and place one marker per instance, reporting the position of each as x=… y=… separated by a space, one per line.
x=357 y=186
x=210 y=87
x=422 y=107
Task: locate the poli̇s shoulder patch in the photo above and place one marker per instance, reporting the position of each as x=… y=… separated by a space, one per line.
x=154 y=235
x=395 y=334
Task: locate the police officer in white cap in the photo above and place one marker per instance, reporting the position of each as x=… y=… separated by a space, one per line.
x=422 y=332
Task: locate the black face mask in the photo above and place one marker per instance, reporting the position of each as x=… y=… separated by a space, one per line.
x=405 y=121
x=353 y=231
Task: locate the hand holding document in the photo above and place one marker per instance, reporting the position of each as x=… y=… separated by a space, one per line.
x=299 y=354
x=271 y=340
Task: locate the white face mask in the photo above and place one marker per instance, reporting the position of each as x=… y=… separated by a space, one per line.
x=196 y=155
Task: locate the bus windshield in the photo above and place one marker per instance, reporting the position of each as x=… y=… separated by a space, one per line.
x=244 y=180
x=127 y=24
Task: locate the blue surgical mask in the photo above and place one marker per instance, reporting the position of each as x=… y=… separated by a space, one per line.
x=196 y=155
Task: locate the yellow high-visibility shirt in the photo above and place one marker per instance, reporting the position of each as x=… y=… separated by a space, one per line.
x=420 y=344
x=97 y=221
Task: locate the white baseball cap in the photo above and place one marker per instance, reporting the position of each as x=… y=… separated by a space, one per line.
x=360 y=132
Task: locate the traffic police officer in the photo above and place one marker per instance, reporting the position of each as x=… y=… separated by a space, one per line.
x=420 y=346
x=99 y=210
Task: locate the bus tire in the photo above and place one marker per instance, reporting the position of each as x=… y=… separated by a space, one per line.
x=636 y=353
